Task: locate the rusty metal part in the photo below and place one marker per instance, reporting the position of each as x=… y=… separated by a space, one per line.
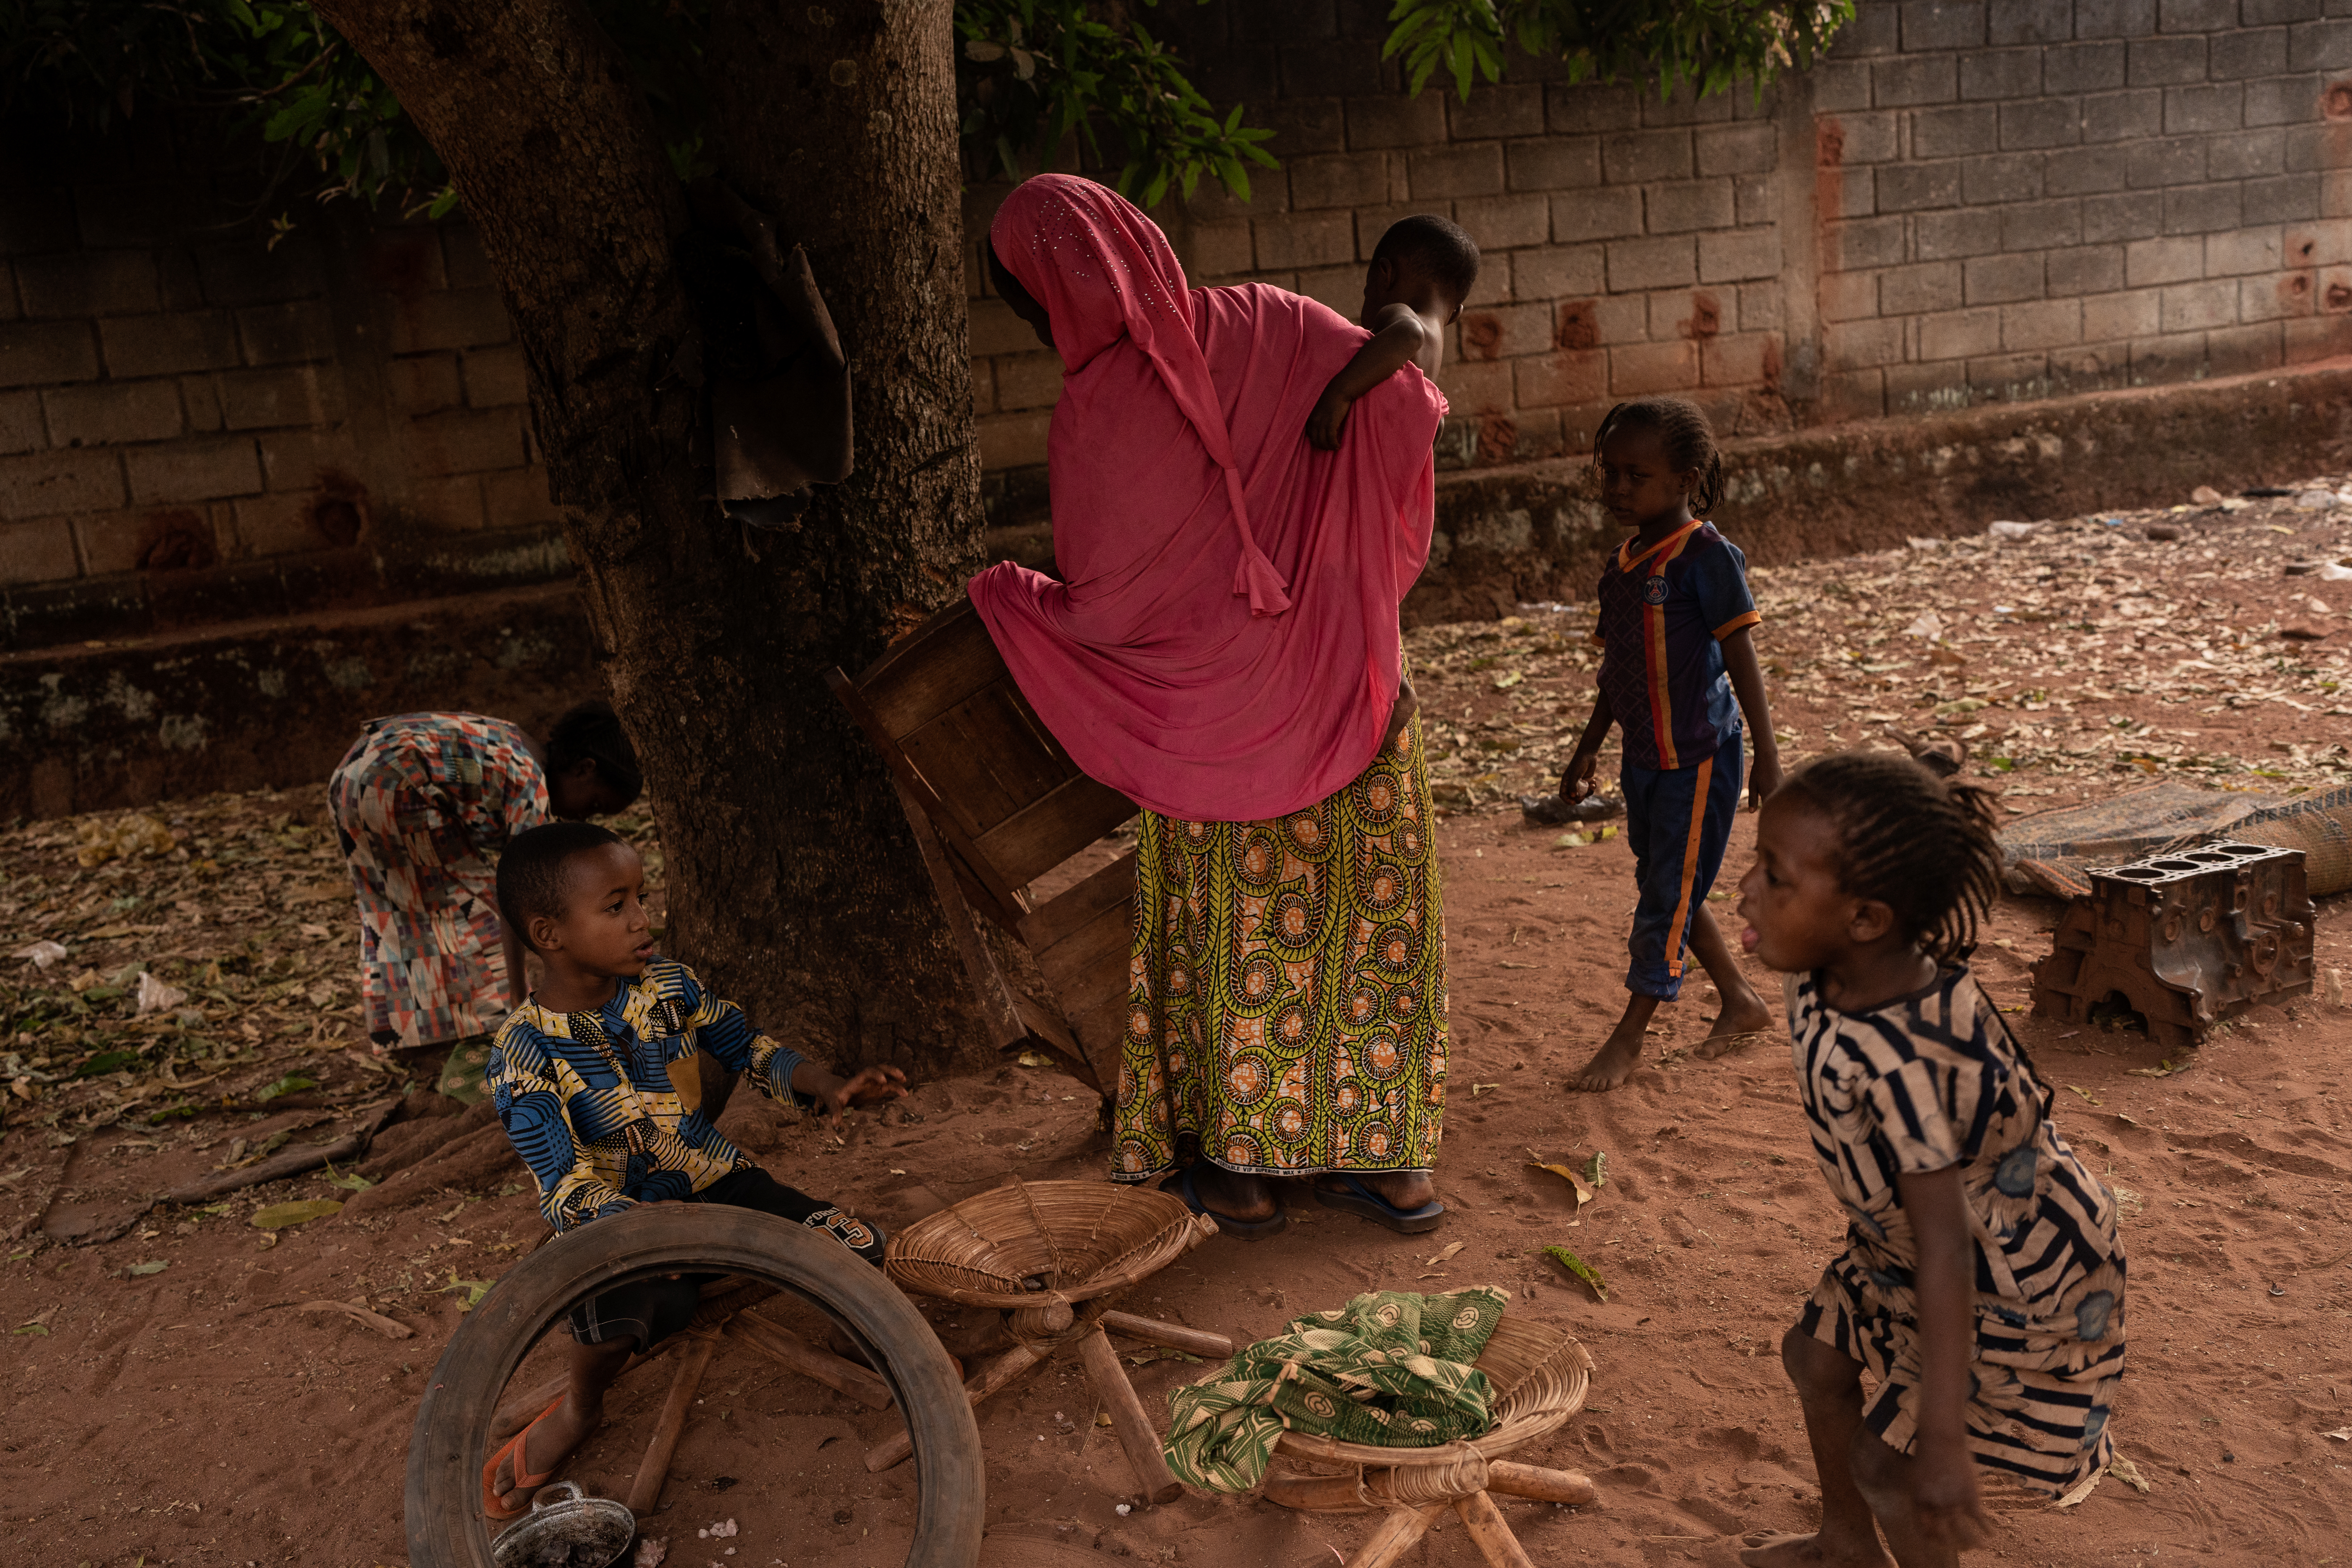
x=2187 y=938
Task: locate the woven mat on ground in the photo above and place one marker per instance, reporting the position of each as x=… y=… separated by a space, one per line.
x=2051 y=851
x=1389 y=1369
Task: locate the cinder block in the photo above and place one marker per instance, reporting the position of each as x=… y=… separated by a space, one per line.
x=2319 y=46
x=1589 y=107
x=1848 y=296
x=168 y=343
x=2041 y=226
x=2085 y=171
x=2276 y=298
x=45 y=484
x=1557 y=272
x=2269 y=12
x=2089 y=367
x=108 y=414
x=1028 y=381
x=41 y=551
x=1953 y=235
x=2165 y=62
x=2173 y=161
x=2081 y=67
x=299 y=394
x=1906 y=81
x=2203 y=108
x=1395 y=120
x=2334 y=194
x=2244 y=350
x=1959 y=334
x=450 y=319
x=2149 y=262
x=1841 y=86
x=2194 y=307
x=1914 y=187
x=1742 y=254
x=2041 y=123
x=2002 y=177
x=1853 y=394
x=1747 y=149
x=1637 y=157
x=2245 y=250
x=2316 y=338
x=1304 y=125
x=1943 y=24
x=1918 y=289
x=2202 y=209
x=1679 y=207
x=87 y=283
x=1666 y=263
x=1754 y=200
x=1955 y=133
x=1503 y=223
x=1638 y=370
x=1342 y=288
x=1999 y=279
x=1617 y=319
x=1686 y=108
x=1871 y=242
x=2108 y=318
x=1499 y=108
x=496 y=377
x=2086 y=270
x=200 y=396
x=452 y=504
x=1874 y=30
x=36 y=354
x=1560 y=379
x=1331 y=68
x=213 y=468
x=517 y=498
x=1860 y=345
x=301 y=459
x=1340 y=180
x=1552 y=163
x=1759 y=307
x=1476 y=170
x=1937 y=388
x=475 y=440
x=2042 y=324
x=1601 y=213
x=1739 y=359
x=2196 y=15
x=22 y=429
x=983 y=387
x=2009 y=377
x=2321 y=244
x=2119 y=217
x=2000 y=73
x=245 y=272
x=426 y=384
x=1305 y=239
x=1221 y=251
x=2246 y=154
x=1873 y=138
x=2313 y=148
x=464 y=265
x=2027 y=21
x=1013 y=440
x=284 y=333
x=1371 y=223
x=2246 y=52
x=1495 y=332
x=2284 y=99
x=2123 y=116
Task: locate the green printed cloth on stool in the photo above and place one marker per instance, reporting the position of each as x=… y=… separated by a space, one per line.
x=1392 y=1369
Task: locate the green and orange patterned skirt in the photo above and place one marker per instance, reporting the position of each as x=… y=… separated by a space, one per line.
x=1286 y=1004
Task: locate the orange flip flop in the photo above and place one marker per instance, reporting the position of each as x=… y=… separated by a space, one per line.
x=524 y=1485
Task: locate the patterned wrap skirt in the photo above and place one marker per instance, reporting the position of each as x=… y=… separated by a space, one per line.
x=1286 y=1002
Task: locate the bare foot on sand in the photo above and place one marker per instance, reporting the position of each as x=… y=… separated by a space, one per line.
x=1771 y=1549
x=1741 y=1019
x=549 y=1443
x=1612 y=1064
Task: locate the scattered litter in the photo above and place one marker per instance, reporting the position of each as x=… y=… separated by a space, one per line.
x=155 y=997
x=475 y=1289
x=1597 y=1170
x=1583 y=1189
x=41 y=954
x=2123 y=1470
x=97 y=840
x=2315 y=501
x=2342 y=1434
x=1035 y=1060
x=277 y=1216
x=2006 y=530
x=724 y=1530
x=2205 y=495
x=650 y=1553
x=1123 y=1510
x=2086 y=1093
x=1581 y=1269
x=1929 y=624
x=154 y=1266
x=1578 y=840
x=1507 y=679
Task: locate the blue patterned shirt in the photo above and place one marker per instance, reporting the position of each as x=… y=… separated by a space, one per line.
x=606 y=1107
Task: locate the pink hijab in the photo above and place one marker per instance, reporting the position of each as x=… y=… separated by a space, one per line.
x=1224 y=645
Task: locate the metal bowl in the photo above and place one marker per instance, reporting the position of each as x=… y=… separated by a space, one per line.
x=577 y=1532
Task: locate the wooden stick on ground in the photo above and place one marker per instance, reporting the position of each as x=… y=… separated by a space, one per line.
x=292 y=1163
x=783 y=1346
x=1571 y=1486
x=1493 y=1534
x=645 y=1490
x=1128 y=1420
x=1397 y=1535
x=897 y=1447
x=1152 y=1332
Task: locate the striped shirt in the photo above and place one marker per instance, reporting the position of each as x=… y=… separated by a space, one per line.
x=1933 y=1080
x=1664 y=616
x=606 y=1107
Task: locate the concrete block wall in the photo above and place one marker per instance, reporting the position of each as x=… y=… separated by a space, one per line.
x=1969 y=201
x=182 y=402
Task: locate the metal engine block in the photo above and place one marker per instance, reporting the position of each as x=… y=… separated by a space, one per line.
x=2187 y=938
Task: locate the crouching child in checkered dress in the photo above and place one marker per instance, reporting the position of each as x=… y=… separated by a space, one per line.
x=1982 y=1284
x=598 y=1078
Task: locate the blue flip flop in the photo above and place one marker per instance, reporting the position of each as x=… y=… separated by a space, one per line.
x=1181 y=1184
x=1362 y=1201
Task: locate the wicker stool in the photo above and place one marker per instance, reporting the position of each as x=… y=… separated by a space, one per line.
x=1050 y=1256
x=1541 y=1376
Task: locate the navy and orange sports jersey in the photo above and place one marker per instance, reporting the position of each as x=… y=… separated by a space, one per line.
x=1664 y=616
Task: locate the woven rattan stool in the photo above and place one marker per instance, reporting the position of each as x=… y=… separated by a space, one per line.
x=1051 y=1256
x=1542 y=1376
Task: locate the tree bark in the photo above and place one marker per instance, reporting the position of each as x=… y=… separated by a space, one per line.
x=794 y=884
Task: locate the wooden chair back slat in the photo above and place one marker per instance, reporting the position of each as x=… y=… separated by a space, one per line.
x=940 y=663
x=1033 y=841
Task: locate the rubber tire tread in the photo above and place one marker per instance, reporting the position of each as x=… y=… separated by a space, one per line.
x=449 y=1445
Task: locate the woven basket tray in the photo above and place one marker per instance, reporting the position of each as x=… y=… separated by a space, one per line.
x=1541 y=1374
x=1028 y=1243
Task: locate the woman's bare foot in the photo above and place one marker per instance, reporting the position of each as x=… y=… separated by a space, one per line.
x=549 y=1445
x=1612 y=1064
x=1772 y=1549
x=1742 y=1017
x=1236 y=1197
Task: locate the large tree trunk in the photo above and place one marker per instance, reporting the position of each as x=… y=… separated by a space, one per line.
x=793 y=881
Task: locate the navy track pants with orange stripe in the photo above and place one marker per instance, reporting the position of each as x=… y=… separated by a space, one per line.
x=1679 y=821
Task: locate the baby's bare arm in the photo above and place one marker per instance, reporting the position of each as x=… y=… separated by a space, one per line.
x=1398 y=340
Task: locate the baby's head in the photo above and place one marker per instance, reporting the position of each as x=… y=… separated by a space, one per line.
x=1654 y=455
x=1860 y=847
x=1425 y=263
x=591 y=768
x=574 y=893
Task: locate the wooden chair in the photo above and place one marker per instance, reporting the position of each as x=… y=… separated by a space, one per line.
x=995 y=803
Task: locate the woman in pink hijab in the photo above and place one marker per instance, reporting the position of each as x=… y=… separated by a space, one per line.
x=1222 y=646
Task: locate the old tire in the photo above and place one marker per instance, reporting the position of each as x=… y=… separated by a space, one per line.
x=449 y=1445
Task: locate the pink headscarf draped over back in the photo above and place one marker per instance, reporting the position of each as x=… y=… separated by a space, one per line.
x=1223 y=644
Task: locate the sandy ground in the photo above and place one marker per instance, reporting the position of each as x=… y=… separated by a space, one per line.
x=196 y=1412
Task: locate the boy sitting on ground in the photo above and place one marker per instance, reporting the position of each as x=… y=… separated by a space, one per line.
x=598 y=1081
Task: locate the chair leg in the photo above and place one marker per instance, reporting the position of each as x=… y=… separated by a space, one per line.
x=645 y=1490
x=1128 y=1420
x=989 y=991
x=900 y=1446
x=1492 y=1532
x=1397 y=1535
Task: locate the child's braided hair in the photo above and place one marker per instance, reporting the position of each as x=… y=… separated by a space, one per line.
x=1921 y=845
x=1688 y=438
